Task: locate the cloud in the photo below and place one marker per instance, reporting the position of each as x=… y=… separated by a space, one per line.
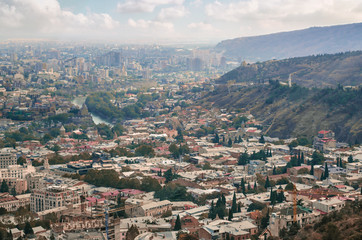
x=201 y=26
x=285 y=13
x=172 y=13
x=21 y=17
x=149 y=24
x=138 y=6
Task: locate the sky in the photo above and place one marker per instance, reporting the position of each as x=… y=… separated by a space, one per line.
x=167 y=21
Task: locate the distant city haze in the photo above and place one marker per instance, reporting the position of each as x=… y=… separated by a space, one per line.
x=167 y=21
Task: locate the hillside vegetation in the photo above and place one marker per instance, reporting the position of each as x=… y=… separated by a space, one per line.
x=296 y=111
x=345 y=224
x=320 y=71
x=315 y=40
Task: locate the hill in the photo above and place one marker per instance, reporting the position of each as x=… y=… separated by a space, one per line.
x=345 y=224
x=296 y=111
x=311 y=41
x=313 y=71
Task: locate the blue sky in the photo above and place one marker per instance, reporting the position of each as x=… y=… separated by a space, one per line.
x=167 y=21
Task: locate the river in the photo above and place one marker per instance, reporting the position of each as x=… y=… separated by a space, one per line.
x=78 y=101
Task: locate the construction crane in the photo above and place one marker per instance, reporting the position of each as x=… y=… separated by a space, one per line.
x=295 y=192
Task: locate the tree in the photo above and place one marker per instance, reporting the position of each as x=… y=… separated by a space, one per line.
x=150 y=184
x=243 y=159
x=230 y=217
x=21 y=160
x=3 y=211
x=289 y=187
x=332 y=232
x=13 y=191
x=168 y=175
x=262 y=140
x=274 y=171
x=177 y=224
x=242 y=184
x=212 y=212
x=264 y=222
x=350 y=159
x=145 y=150
x=234 y=206
x=28 y=230
x=230 y=142
x=326 y=171
x=317 y=158
x=4 y=187
x=267 y=183
x=174 y=150
x=132 y=233
x=312 y=170
x=216 y=138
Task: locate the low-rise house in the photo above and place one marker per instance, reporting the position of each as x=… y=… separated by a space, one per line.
x=329 y=205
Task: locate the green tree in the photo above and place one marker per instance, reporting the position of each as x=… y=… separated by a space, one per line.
x=212 y=212
x=317 y=158
x=150 y=185
x=21 y=160
x=177 y=224
x=262 y=140
x=289 y=187
x=174 y=150
x=234 y=206
x=350 y=159
x=312 y=170
x=231 y=215
x=13 y=191
x=4 y=187
x=168 y=175
x=267 y=183
x=28 y=230
x=243 y=159
x=216 y=139
x=242 y=184
x=145 y=150
x=326 y=171
x=3 y=211
x=230 y=142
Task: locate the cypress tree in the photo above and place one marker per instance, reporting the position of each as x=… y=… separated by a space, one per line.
x=4 y=187
x=302 y=157
x=274 y=171
x=255 y=187
x=249 y=187
x=243 y=186
x=326 y=171
x=230 y=142
x=234 y=206
x=177 y=224
x=312 y=170
x=212 y=212
x=267 y=183
x=230 y=217
x=239 y=205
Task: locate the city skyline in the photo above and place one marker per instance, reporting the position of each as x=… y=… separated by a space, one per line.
x=166 y=21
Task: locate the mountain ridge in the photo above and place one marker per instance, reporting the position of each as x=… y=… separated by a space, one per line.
x=298 y=43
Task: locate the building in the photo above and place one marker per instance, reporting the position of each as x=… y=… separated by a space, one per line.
x=7 y=158
x=284 y=218
x=329 y=205
x=53 y=197
x=11 y=203
x=324 y=139
x=156 y=208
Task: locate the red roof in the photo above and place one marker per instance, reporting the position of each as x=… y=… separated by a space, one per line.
x=132 y=191
x=323 y=132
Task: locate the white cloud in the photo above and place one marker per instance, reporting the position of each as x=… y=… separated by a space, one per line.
x=201 y=26
x=149 y=25
x=284 y=13
x=172 y=13
x=133 y=6
x=47 y=17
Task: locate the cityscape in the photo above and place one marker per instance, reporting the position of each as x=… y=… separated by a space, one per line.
x=231 y=138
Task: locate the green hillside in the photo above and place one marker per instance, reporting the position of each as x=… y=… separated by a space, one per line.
x=319 y=71
x=296 y=111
